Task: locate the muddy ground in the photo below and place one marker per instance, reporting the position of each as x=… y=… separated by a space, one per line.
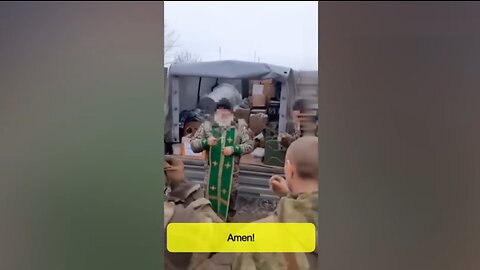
x=251 y=208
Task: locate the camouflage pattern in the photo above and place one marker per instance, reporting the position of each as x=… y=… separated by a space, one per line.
x=176 y=213
x=306 y=128
x=300 y=209
x=180 y=191
x=191 y=195
x=184 y=202
x=184 y=192
x=219 y=261
x=198 y=211
x=288 y=139
x=244 y=144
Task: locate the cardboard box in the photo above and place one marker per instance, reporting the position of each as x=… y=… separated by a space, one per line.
x=257 y=89
x=269 y=92
x=241 y=113
x=265 y=87
x=259 y=101
x=254 y=111
x=258 y=97
x=186 y=150
x=257 y=123
x=269 y=81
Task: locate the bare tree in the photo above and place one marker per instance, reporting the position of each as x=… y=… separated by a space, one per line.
x=170 y=41
x=185 y=57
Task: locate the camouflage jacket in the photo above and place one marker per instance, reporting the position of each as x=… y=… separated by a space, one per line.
x=290 y=138
x=172 y=214
x=243 y=140
x=297 y=133
x=191 y=195
x=193 y=213
x=300 y=209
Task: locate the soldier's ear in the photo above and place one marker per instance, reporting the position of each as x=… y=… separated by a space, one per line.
x=288 y=168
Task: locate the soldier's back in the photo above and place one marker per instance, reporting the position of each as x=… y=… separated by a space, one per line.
x=177 y=213
x=301 y=209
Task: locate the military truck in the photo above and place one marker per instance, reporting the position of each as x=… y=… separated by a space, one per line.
x=188 y=83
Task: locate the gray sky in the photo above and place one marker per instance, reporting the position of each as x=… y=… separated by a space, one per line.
x=281 y=33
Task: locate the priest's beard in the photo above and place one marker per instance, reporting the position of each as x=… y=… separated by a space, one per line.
x=224 y=120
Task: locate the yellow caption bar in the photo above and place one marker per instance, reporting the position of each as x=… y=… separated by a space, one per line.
x=241 y=237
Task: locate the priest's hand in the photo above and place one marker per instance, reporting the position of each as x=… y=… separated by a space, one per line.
x=279 y=185
x=228 y=151
x=212 y=141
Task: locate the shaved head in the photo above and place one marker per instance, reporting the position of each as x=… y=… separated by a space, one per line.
x=303 y=156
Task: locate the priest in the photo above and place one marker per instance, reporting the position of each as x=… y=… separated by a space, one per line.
x=225 y=140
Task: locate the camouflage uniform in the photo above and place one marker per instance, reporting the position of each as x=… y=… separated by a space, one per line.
x=301 y=209
x=185 y=193
x=197 y=211
x=297 y=133
x=244 y=144
x=290 y=138
x=184 y=203
x=191 y=195
x=290 y=209
x=177 y=213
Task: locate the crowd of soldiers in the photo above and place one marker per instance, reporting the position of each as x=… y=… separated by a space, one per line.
x=225 y=139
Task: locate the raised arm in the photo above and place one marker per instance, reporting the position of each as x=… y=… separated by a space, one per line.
x=199 y=141
x=246 y=145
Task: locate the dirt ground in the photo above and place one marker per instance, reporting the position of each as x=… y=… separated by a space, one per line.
x=250 y=209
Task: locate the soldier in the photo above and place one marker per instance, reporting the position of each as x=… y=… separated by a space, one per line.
x=225 y=140
x=298 y=206
x=304 y=122
x=181 y=190
x=184 y=204
x=185 y=192
x=177 y=213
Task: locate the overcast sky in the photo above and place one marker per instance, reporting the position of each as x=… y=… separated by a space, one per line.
x=281 y=33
